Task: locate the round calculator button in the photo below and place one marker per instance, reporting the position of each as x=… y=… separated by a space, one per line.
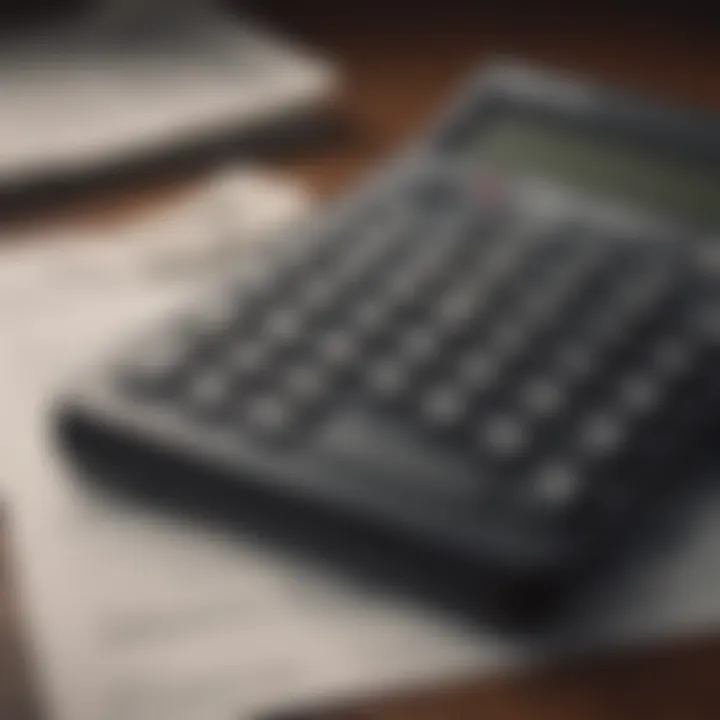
x=337 y=349
x=269 y=415
x=539 y=309
x=578 y=361
x=306 y=383
x=479 y=371
x=603 y=436
x=557 y=486
x=641 y=394
x=510 y=339
x=318 y=293
x=370 y=315
x=361 y=257
x=283 y=327
x=544 y=397
x=425 y=271
x=457 y=309
x=503 y=438
x=388 y=380
x=610 y=329
x=444 y=407
x=209 y=393
x=249 y=358
x=419 y=345
x=402 y=290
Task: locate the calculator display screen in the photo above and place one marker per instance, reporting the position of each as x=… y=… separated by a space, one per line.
x=602 y=165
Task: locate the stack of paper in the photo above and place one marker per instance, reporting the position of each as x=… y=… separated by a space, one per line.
x=139 y=80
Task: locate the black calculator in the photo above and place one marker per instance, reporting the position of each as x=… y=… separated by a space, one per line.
x=487 y=364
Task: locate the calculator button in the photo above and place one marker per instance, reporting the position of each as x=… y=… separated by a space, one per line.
x=510 y=339
x=370 y=315
x=284 y=327
x=578 y=361
x=269 y=415
x=479 y=371
x=444 y=408
x=306 y=384
x=603 y=437
x=641 y=394
x=418 y=345
x=503 y=438
x=544 y=398
x=318 y=295
x=209 y=393
x=404 y=283
x=337 y=349
x=457 y=309
x=558 y=487
x=249 y=359
x=388 y=380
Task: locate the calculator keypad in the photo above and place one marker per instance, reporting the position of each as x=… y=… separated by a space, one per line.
x=548 y=356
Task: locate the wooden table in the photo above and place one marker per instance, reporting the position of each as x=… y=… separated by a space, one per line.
x=399 y=64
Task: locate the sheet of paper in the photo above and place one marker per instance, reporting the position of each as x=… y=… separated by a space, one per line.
x=233 y=212
x=199 y=234
x=130 y=79
x=137 y=616
x=134 y=614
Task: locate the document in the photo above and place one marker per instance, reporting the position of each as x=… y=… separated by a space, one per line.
x=221 y=221
x=135 y=80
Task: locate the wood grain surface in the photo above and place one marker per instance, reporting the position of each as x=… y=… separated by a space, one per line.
x=399 y=61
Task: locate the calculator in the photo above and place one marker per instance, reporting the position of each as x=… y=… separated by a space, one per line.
x=487 y=364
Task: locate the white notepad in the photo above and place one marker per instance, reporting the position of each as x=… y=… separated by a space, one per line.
x=136 y=615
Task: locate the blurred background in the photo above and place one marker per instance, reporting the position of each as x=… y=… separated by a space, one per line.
x=375 y=74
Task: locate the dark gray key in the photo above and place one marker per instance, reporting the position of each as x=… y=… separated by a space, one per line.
x=209 y=393
x=337 y=349
x=544 y=397
x=503 y=439
x=419 y=345
x=270 y=415
x=555 y=489
x=641 y=393
x=604 y=436
x=307 y=384
x=388 y=380
x=284 y=327
x=479 y=372
x=249 y=359
x=370 y=315
x=444 y=408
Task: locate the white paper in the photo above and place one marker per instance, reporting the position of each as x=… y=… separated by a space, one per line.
x=134 y=614
x=194 y=237
x=130 y=78
x=227 y=217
